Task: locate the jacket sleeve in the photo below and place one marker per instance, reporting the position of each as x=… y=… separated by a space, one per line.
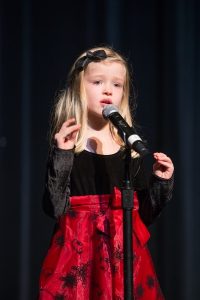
x=153 y=200
x=153 y=193
x=57 y=181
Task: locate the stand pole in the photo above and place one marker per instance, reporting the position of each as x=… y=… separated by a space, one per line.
x=127 y=205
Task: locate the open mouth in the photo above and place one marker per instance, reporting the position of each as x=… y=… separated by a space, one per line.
x=106 y=101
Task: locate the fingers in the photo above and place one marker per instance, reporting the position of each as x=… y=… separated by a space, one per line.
x=67 y=134
x=161 y=156
x=163 y=160
x=68 y=127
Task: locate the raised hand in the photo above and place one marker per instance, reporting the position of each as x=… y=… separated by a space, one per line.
x=66 y=137
x=163 y=167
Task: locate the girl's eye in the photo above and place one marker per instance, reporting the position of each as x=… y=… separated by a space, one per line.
x=118 y=84
x=97 y=82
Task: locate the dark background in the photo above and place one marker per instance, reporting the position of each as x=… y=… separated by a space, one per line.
x=39 y=41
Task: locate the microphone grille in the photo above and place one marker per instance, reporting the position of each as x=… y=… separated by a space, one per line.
x=109 y=109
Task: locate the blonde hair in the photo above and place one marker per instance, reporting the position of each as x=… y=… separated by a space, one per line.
x=71 y=102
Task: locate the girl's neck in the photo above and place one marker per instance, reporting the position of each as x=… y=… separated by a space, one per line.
x=100 y=140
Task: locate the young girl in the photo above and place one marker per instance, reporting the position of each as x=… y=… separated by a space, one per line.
x=85 y=172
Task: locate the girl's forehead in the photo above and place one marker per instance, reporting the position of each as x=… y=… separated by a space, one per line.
x=106 y=67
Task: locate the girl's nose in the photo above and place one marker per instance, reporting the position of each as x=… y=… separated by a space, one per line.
x=108 y=90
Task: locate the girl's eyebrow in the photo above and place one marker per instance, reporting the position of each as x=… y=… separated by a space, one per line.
x=119 y=78
x=101 y=75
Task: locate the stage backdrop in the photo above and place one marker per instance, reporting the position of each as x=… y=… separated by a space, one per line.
x=39 y=40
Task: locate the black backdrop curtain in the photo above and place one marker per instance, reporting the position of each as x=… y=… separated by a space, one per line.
x=38 y=42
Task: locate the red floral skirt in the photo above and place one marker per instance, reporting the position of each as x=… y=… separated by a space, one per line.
x=85 y=259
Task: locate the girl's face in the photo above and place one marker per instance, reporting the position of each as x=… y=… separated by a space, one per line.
x=104 y=84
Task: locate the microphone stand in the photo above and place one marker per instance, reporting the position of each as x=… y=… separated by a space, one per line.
x=127 y=205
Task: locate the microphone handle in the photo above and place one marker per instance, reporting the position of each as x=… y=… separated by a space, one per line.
x=121 y=125
x=128 y=134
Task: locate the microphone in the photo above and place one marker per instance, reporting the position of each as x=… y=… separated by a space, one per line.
x=126 y=132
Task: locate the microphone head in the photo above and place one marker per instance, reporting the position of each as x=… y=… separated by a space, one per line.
x=108 y=110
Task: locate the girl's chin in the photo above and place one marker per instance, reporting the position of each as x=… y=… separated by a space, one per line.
x=96 y=113
x=97 y=117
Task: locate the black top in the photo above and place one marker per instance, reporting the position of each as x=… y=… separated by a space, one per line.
x=97 y=174
x=87 y=173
